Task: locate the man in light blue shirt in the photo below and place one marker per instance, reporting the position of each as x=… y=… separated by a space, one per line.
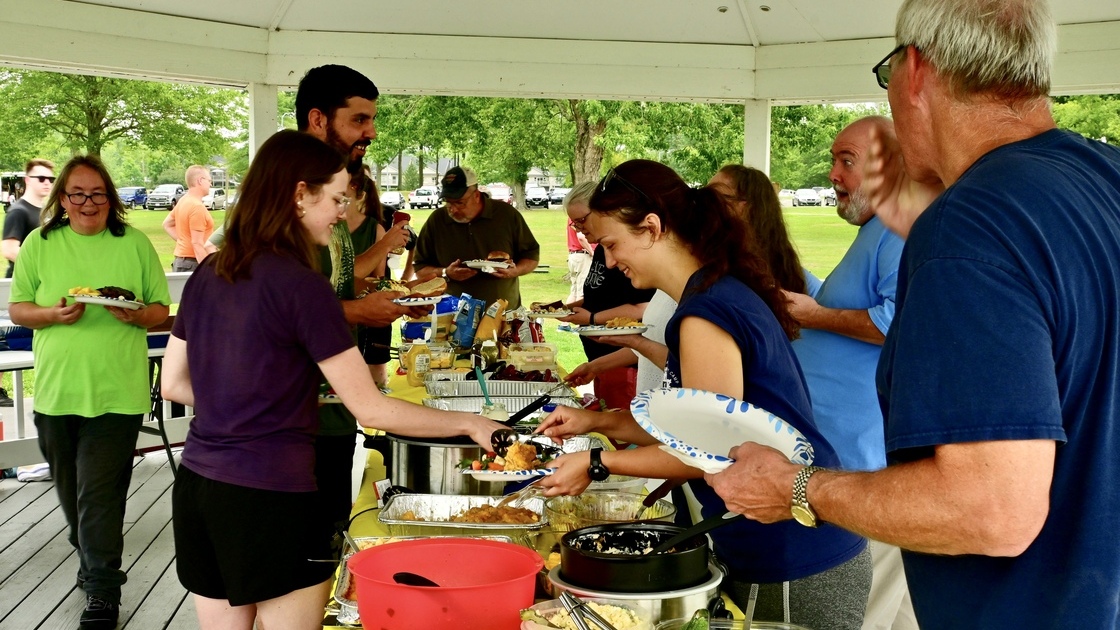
x=844 y=321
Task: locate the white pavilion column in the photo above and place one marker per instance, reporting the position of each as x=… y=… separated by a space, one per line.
x=262 y=115
x=756 y=134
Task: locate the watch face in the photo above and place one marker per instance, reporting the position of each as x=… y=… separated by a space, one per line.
x=804 y=515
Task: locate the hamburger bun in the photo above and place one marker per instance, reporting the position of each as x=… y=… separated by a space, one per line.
x=498 y=256
x=429 y=288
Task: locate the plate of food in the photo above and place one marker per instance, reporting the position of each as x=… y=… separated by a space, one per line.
x=419 y=301
x=700 y=427
x=549 y=309
x=106 y=296
x=494 y=260
x=522 y=461
x=614 y=326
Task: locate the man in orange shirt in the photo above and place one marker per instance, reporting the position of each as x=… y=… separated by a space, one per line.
x=190 y=223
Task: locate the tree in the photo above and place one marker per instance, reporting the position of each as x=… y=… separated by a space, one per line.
x=88 y=112
x=1093 y=116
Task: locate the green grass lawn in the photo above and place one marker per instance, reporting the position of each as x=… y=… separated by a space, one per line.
x=821 y=238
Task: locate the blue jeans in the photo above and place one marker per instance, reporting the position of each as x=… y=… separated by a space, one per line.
x=91 y=463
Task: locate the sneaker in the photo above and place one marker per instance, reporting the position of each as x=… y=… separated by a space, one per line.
x=5 y=399
x=99 y=614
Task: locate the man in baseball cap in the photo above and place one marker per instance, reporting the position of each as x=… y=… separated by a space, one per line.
x=470 y=227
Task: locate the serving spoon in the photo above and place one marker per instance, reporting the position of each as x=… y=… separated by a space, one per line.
x=702 y=527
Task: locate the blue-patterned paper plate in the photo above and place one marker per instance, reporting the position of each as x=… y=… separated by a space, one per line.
x=508 y=475
x=419 y=301
x=697 y=424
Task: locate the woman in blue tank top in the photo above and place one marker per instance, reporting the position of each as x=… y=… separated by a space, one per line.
x=730 y=334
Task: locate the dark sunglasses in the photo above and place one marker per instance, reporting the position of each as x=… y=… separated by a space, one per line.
x=42 y=178
x=613 y=176
x=882 y=70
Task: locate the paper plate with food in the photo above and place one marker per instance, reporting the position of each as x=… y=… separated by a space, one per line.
x=614 y=326
x=422 y=294
x=327 y=395
x=494 y=260
x=549 y=309
x=523 y=460
x=107 y=296
x=699 y=427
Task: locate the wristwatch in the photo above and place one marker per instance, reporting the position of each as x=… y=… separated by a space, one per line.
x=597 y=471
x=802 y=512
x=443 y=274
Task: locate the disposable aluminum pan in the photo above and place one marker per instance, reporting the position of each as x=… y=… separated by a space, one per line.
x=473 y=404
x=437 y=510
x=345 y=595
x=494 y=388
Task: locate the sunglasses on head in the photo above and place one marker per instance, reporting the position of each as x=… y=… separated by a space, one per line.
x=42 y=178
x=613 y=176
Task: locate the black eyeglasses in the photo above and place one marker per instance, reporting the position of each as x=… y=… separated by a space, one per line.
x=42 y=178
x=882 y=70
x=79 y=199
x=578 y=223
x=613 y=176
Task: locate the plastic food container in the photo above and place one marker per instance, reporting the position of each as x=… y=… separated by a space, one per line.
x=533 y=356
x=729 y=624
x=483 y=585
x=566 y=513
x=619 y=483
x=641 y=618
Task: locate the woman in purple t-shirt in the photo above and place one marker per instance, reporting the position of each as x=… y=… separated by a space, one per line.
x=256 y=326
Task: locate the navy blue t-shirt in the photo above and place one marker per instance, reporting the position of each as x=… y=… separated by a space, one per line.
x=772 y=380
x=1008 y=328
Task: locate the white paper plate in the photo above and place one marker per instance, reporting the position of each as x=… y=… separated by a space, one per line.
x=487 y=266
x=419 y=301
x=550 y=314
x=608 y=331
x=330 y=399
x=702 y=426
x=508 y=475
x=104 y=301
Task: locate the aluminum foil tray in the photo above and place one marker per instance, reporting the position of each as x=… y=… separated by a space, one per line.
x=343 y=593
x=495 y=388
x=437 y=510
x=473 y=404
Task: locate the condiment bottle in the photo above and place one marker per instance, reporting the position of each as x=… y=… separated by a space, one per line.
x=418 y=362
x=496 y=411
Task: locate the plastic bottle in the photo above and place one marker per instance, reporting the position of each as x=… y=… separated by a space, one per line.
x=418 y=361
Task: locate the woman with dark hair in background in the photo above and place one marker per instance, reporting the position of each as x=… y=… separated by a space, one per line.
x=731 y=335
x=257 y=325
x=751 y=193
x=91 y=364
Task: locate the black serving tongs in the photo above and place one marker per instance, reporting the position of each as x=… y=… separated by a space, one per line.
x=535 y=405
x=502 y=439
x=580 y=613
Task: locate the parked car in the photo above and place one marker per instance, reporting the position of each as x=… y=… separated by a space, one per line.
x=500 y=192
x=806 y=197
x=827 y=195
x=133 y=196
x=536 y=196
x=165 y=196
x=556 y=195
x=422 y=198
x=393 y=199
x=216 y=199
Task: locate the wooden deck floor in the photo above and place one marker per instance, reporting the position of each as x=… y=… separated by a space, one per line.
x=38 y=566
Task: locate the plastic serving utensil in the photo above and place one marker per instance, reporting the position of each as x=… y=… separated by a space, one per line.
x=411 y=579
x=702 y=527
x=482 y=384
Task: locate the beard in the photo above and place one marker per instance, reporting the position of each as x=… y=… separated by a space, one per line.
x=353 y=165
x=852 y=211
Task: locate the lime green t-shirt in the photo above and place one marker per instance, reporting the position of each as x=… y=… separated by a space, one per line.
x=97 y=365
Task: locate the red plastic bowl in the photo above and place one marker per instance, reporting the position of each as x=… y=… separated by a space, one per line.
x=483 y=584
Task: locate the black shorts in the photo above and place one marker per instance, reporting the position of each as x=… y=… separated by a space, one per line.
x=374 y=344
x=243 y=544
